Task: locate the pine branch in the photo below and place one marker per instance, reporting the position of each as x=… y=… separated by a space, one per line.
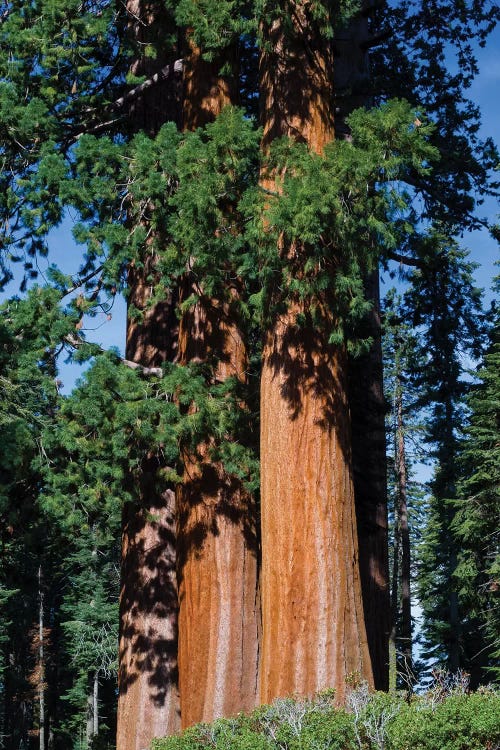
x=163 y=75
x=167 y=72
x=405 y=259
x=76 y=342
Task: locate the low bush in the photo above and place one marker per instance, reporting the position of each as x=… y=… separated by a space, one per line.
x=459 y=722
x=455 y=721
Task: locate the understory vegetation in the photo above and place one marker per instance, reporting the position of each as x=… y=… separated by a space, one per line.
x=445 y=717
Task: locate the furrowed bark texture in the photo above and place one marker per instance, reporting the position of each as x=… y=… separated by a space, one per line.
x=313 y=628
x=366 y=393
x=148 y=699
x=217 y=535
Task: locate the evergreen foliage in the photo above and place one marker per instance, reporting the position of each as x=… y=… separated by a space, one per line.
x=446 y=306
x=29 y=333
x=405 y=430
x=475 y=524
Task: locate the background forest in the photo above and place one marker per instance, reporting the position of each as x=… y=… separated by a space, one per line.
x=242 y=174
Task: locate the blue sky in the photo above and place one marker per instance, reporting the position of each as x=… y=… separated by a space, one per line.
x=486 y=92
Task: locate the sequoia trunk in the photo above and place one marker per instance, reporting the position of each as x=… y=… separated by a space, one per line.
x=148 y=699
x=217 y=536
x=313 y=626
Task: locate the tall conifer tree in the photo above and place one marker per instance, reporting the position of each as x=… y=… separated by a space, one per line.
x=311 y=591
x=475 y=523
x=216 y=514
x=445 y=302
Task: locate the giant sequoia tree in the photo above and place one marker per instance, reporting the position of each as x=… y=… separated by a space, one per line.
x=313 y=598
x=244 y=255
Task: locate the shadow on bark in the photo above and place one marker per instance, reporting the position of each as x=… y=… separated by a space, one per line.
x=206 y=91
x=217 y=542
x=209 y=499
x=311 y=369
x=211 y=334
x=148 y=601
x=151 y=328
x=296 y=74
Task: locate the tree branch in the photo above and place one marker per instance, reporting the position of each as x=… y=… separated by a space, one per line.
x=163 y=75
x=76 y=342
x=405 y=259
x=376 y=40
x=168 y=71
x=80 y=282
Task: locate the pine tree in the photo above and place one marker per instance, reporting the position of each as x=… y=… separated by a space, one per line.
x=474 y=525
x=404 y=430
x=447 y=306
x=30 y=576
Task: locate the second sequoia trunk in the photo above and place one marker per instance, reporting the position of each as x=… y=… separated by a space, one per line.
x=313 y=625
x=217 y=536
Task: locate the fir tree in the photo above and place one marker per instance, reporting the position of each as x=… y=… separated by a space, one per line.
x=30 y=331
x=405 y=494
x=475 y=526
x=447 y=307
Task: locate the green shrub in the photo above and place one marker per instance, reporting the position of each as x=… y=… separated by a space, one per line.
x=459 y=722
x=223 y=734
x=378 y=721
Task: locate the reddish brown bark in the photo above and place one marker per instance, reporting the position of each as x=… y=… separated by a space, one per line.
x=218 y=607
x=206 y=92
x=217 y=536
x=313 y=627
x=148 y=699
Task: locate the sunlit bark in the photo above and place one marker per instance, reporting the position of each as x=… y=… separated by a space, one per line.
x=217 y=535
x=313 y=625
